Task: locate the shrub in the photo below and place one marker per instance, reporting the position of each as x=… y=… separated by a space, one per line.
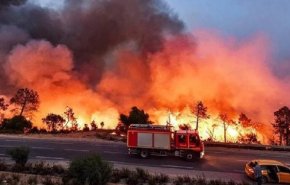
x=115 y=177
x=124 y=173
x=17 y=123
x=142 y=174
x=91 y=170
x=58 y=170
x=47 y=181
x=132 y=179
x=3 y=165
x=32 y=180
x=162 y=178
x=19 y=155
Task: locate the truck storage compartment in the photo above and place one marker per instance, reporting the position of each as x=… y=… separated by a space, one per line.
x=162 y=141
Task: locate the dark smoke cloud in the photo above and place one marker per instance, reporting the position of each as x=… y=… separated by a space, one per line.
x=92 y=29
x=6 y=3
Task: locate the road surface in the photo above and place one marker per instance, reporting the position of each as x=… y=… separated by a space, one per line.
x=217 y=160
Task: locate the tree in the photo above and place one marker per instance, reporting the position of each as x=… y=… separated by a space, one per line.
x=226 y=123
x=200 y=111
x=244 y=120
x=94 y=125
x=3 y=105
x=102 y=124
x=54 y=122
x=184 y=126
x=86 y=128
x=71 y=119
x=282 y=124
x=136 y=116
x=17 y=123
x=211 y=132
x=26 y=99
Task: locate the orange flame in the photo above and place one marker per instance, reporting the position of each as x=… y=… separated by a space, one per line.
x=228 y=76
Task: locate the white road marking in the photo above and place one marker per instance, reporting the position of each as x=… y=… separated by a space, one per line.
x=243 y=160
x=42 y=148
x=75 y=150
x=7 y=146
x=14 y=140
x=44 y=157
x=2 y=155
x=111 y=152
x=174 y=166
x=216 y=152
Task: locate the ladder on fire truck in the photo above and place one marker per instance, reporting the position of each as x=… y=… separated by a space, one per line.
x=151 y=127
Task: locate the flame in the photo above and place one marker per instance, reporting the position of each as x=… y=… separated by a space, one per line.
x=227 y=75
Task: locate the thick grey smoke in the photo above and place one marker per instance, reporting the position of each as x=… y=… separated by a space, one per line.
x=92 y=29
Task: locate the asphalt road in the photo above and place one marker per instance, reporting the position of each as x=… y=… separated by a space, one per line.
x=61 y=149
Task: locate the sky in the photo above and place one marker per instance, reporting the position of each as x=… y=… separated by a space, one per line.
x=240 y=19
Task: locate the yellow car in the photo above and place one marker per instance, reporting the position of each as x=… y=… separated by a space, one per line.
x=272 y=171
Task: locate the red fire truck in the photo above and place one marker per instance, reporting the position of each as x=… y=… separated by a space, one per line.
x=161 y=140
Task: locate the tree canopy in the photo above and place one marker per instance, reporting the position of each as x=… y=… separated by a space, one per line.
x=26 y=99
x=3 y=105
x=200 y=111
x=136 y=116
x=17 y=123
x=54 y=122
x=282 y=124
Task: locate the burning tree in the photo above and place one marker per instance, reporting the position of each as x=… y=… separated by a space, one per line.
x=211 y=131
x=54 y=122
x=102 y=124
x=94 y=126
x=26 y=99
x=71 y=119
x=3 y=107
x=226 y=123
x=136 y=116
x=184 y=126
x=282 y=124
x=200 y=111
x=244 y=120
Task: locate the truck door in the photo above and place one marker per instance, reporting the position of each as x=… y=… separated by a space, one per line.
x=181 y=141
x=194 y=140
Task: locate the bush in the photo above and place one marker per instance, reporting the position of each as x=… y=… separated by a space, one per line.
x=3 y=165
x=19 y=155
x=133 y=179
x=17 y=123
x=142 y=174
x=162 y=178
x=32 y=180
x=91 y=170
x=115 y=177
x=124 y=173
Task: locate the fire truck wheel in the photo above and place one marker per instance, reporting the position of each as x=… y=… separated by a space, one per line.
x=144 y=154
x=189 y=156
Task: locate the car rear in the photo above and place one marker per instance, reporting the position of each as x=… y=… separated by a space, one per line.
x=249 y=170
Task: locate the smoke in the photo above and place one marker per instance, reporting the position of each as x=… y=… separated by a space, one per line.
x=92 y=29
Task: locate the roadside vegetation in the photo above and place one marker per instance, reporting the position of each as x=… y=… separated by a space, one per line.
x=87 y=170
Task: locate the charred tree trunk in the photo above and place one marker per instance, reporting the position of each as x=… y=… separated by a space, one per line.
x=23 y=107
x=225 y=132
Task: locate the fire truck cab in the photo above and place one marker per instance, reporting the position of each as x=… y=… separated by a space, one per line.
x=162 y=140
